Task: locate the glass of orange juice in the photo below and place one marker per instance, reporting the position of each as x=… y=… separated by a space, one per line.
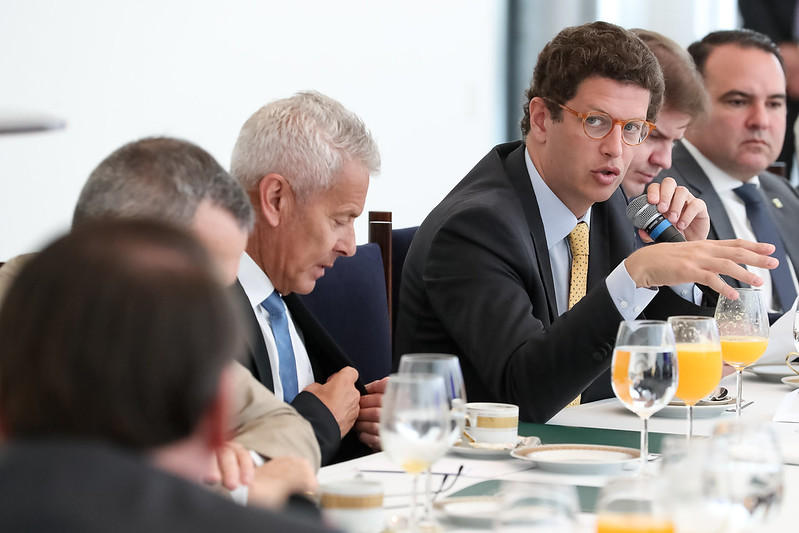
x=699 y=359
x=743 y=326
x=634 y=505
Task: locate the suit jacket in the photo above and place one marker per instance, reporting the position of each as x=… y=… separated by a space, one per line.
x=477 y=283
x=261 y=422
x=781 y=199
x=326 y=358
x=82 y=487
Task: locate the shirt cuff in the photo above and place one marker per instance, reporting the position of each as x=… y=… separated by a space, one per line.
x=629 y=299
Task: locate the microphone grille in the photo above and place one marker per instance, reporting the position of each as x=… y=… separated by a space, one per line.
x=640 y=212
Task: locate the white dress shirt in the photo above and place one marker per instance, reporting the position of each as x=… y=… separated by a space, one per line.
x=560 y=221
x=258 y=287
x=724 y=184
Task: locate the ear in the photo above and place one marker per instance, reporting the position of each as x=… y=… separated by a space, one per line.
x=539 y=119
x=274 y=197
x=217 y=421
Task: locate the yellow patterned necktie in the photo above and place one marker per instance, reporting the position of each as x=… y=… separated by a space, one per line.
x=578 y=283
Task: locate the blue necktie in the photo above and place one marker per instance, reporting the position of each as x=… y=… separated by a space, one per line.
x=285 y=351
x=765 y=230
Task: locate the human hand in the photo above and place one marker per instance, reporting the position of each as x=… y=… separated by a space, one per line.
x=279 y=478
x=368 y=423
x=340 y=396
x=231 y=466
x=685 y=212
x=702 y=262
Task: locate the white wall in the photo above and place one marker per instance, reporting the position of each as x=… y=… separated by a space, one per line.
x=424 y=75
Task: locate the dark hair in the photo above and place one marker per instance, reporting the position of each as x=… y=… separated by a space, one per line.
x=745 y=38
x=597 y=49
x=117 y=331
x=161 y=178
x=685 y=90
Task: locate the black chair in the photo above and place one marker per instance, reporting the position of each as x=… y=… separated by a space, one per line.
x=350 y=302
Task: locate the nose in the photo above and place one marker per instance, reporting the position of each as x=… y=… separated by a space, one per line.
x=758 y=116
x=661 y=155
x=612 y=143
x=345 y=245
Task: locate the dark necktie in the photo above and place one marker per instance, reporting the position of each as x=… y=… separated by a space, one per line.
x=765 y=230
x=278 y=321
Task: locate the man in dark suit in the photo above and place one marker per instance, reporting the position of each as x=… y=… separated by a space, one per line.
x=488 y=273
x=744 y=77
x=305 y=162
x=115 y=386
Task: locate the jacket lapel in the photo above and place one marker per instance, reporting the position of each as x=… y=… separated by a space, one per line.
x=258 y=358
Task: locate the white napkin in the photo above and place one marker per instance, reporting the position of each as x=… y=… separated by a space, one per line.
x=780 y=339
x=788 y=410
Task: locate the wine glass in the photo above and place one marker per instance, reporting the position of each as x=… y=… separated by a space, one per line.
x=632 y=504
x=743 y=327
x=448 y=367
x=415 y=425
x=536 y=508
x=644 y=371
x=699 y=356
x=746 y=463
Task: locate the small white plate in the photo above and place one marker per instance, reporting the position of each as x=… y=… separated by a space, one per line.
x=471 y=511
x=490 y=450
x=773 y=373
x=578 y=458
x=703 y=409
x=791 y=381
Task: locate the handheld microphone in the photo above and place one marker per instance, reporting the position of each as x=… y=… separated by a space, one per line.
x=646 y=216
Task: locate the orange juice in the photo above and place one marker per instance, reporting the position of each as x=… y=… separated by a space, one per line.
x=699 y=371
x=621 y=377
x=633 y=523
x=742 y=351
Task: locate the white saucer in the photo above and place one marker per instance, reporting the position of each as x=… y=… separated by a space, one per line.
x=791 y=381
x=492 y=450
x=578 y=458
x=771 y=372
x=703 y=409
x=470 y=511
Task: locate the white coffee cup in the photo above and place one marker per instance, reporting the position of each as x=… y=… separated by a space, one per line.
x=491 y=422
x=354 y=506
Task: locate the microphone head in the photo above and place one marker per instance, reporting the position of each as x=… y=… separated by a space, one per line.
x=640 y=212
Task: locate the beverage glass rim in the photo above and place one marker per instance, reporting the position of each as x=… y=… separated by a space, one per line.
x=697 y=318
x=414 y=376
x=429 y=356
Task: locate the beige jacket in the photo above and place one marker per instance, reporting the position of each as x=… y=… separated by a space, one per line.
x=261 y=422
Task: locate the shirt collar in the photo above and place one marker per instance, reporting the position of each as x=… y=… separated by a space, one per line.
x=255 y=282
x=558 y=219
x=720 y=180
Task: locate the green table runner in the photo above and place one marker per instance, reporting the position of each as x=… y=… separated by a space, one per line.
x=552 y=434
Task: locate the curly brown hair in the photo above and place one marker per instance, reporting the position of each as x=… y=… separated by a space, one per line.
x=596 y=49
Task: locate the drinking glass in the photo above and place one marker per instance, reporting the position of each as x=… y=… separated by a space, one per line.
x=536 y=508
x=699 y=356
x=743 y=327
x=448 y=367
x=415 y=425
x=644 y=371
x=746 y=462
x=634 y=504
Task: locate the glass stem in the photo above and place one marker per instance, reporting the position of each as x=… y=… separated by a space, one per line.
x=428 y=493
x=414 y=523
x=739 y=380
x=690 y=421
x=644 y=445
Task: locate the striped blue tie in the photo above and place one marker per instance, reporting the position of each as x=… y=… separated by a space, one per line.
x=285 y=351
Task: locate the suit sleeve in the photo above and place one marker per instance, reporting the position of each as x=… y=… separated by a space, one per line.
x=325 y=427
x=483 y=283
x=267 y=425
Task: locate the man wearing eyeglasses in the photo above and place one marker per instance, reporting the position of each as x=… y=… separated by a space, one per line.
x=503 y=272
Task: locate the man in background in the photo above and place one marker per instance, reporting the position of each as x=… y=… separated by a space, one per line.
x=174 y=181
x=529 y=264
x=305 y=162
x=115 y=386
x=723 y=160
x=684 y=102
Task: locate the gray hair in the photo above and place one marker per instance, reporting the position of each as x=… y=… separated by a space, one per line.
x=160 y=178
x=305 y=138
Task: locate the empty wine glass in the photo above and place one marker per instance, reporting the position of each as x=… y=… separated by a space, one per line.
x=644 y=371
x=415 y=425
x=743 y=327
x=699 y=356
x=536 y=508
x=448 y=367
